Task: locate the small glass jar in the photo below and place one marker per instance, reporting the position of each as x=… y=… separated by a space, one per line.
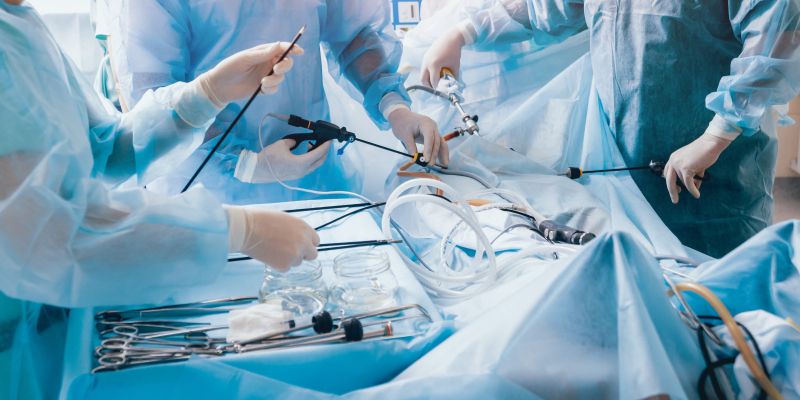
x=301 y=290
x=364 y=282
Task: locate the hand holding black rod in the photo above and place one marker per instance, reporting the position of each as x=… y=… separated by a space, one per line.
x=324 y=131
x=656 y=167
x=239 y=116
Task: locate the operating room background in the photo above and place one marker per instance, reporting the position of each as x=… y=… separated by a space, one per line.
x=71 y=23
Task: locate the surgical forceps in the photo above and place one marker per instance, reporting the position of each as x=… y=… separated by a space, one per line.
x=114 y=362
x=128 y=338
x=324 y=323
x=217 y=306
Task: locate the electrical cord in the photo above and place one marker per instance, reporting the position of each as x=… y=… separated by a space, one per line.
x=710 y=367
x=336 y=246
x=349 y=214
x=484 y=268
x=758 y=373
x=299 y=189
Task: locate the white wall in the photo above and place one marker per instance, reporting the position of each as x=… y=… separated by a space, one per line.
x=70 y=23
x=789 y=145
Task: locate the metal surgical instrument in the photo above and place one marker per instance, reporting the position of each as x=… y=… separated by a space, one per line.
x=324 y=131
x=656 y=167
x=470 y=121
x=216 y=306
x=239 y=116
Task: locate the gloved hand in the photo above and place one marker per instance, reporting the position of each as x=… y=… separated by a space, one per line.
x=444 y=53
x=272 y=237
x=693 y=160
x=238 y=76
x=277 y=162
x=412 y=128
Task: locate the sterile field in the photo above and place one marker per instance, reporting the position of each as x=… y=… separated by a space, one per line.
x=398 y=199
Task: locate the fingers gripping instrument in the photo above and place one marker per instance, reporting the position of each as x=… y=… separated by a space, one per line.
x=321 y=131
x=241 y=112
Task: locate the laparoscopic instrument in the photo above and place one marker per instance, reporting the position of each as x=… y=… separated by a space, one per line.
x=139 y=341
x=324 y=131
x=337 y=246
x=241 y=113
x=656 y=167
x=455 y=98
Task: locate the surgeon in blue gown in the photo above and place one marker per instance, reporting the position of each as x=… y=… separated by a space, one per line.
x=164 y=41
x=689 y=81
x=70 y=236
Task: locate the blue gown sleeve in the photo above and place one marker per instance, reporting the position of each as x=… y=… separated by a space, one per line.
x=545 y=22
x=67 y=236
x=154 y=49
x=767 y=72
x=361 y=46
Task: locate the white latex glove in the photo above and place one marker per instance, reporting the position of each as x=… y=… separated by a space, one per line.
x=277 y=162
x=238 y=76
x=412 y=128
x=272 y=237
x=445 y=53
x=696 y=157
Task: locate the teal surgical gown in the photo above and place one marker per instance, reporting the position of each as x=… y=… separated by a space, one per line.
x=165 y=41
x=663 y=69
x=69 y=236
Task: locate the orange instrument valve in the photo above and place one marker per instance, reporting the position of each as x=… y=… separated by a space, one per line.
x=452 y=135
x=478 y=202
x=403 y=172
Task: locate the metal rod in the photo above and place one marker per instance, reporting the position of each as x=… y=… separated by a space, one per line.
x=336 y=246
x=239 y=116
x=598 y=171
x=323 y=208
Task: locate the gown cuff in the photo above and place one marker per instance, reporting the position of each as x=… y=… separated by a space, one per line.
x=194 y=106
x=721 y=128
x=392 y=102
x=237 y=227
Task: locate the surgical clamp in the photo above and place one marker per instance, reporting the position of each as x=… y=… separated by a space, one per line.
x=216 y=306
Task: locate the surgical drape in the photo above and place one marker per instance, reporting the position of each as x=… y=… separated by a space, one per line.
x=656 y=66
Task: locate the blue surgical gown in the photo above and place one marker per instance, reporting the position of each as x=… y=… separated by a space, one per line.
x=69 y=236
x=165 y=41
x=662 y=71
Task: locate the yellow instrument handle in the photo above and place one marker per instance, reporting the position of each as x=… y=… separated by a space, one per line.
x=447 y=72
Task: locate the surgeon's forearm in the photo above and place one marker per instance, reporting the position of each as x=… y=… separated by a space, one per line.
x=512 y=21
x=373 y=71
x=767 y=72
x=161 y=131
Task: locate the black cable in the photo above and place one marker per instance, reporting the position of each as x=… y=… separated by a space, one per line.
x=323 y=208
x=335 y=246
x=752 y=339
x=355 y=246
x=351 y=213
x=533 y=220
x=709 y=370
